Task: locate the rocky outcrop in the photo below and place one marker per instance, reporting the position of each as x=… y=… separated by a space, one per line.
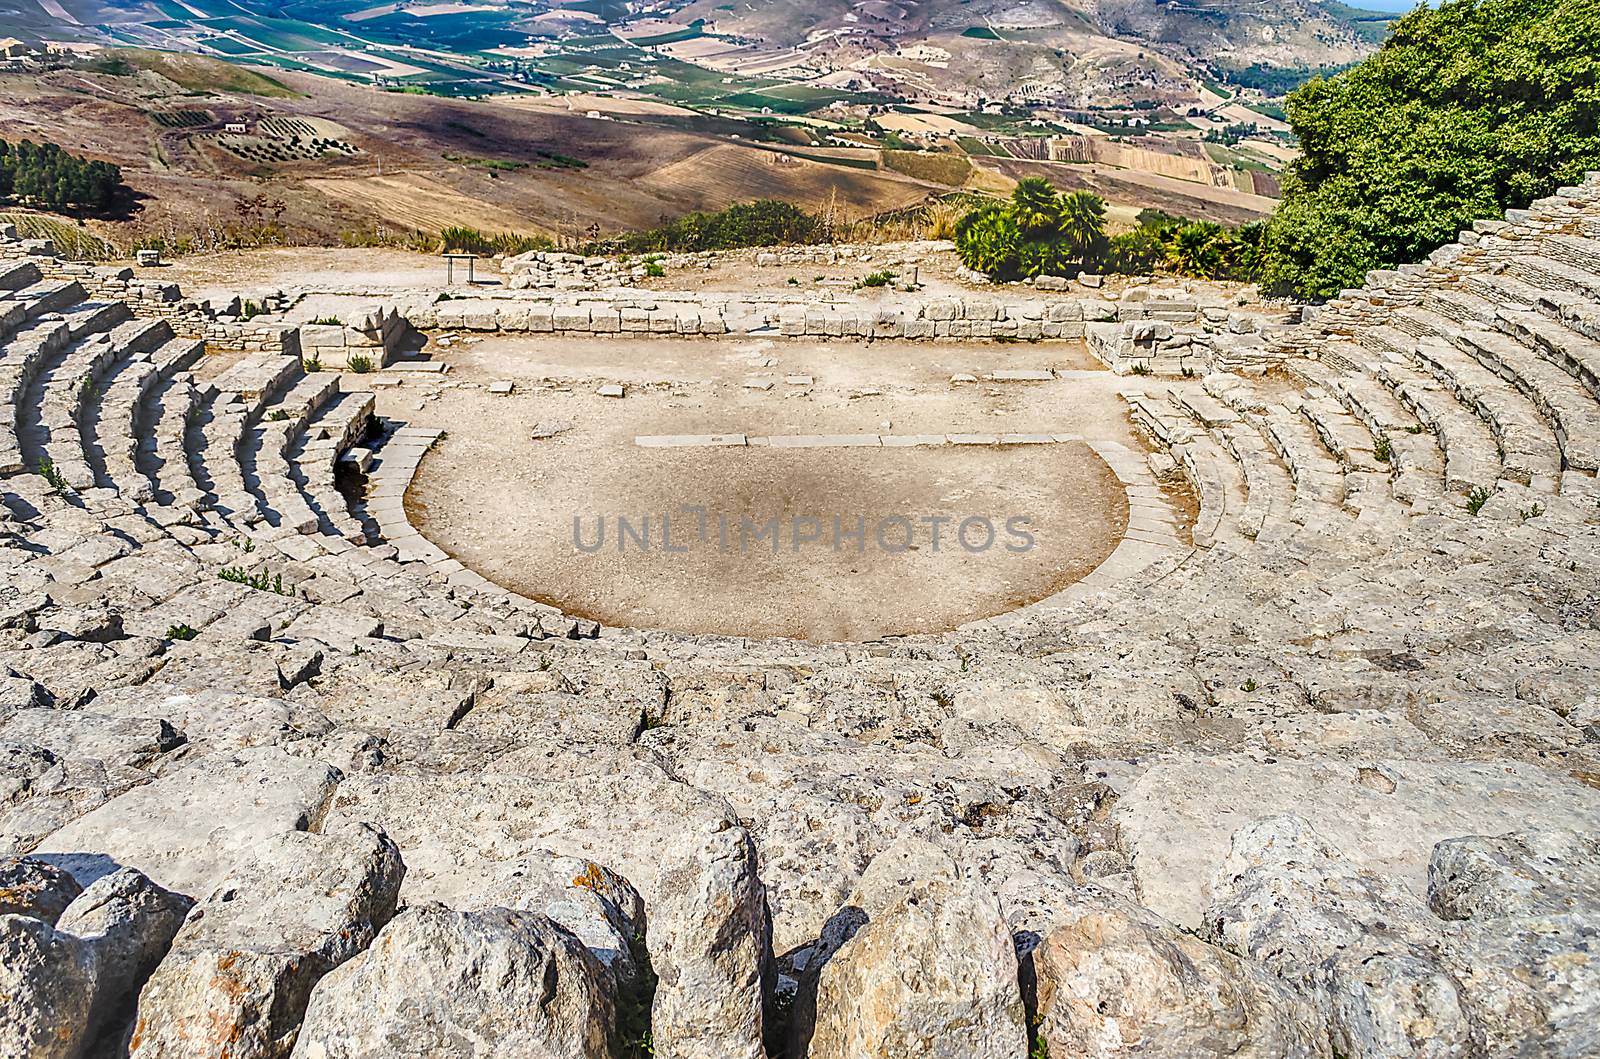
x=129 y=922
x=47 y=983
x=32 y=887
x=187 y=830
x=711 y=945
x=924 y=966
x=489 y=984
x=241 y=970
x=1114 y=980
x=593 y=903
x=1522 y=912
x=1358 y=942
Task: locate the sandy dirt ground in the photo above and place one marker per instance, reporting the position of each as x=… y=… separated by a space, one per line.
x=504 y=503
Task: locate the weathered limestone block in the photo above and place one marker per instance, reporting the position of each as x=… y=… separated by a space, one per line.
x=186 y=830
x=242 y=969
x=1178 y=817
x=571 y=318
x=32 y=887
x=47 y=981
x=1523 y=910
x=489 y=984
x=130 y=922
x=1096 y=310
x=541 y=317
x=322 y=335
x=711 y=946
x=595 y=904
x=135 y=742
x=1360 y=943
x=1114 y=979
x=980 y=309
x=514 y=316
x=929 y=977
x=927 y=968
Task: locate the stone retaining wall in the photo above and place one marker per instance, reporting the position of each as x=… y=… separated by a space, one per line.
x=903 y=317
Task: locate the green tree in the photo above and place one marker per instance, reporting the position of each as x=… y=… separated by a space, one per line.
x=1199 y=249
x=1036 y=207
x=45 y=176
x=987 y=240
x=1038 y=232
x=1469 y=109
x=1083 y=224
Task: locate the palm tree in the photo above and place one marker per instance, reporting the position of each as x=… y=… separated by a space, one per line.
x=1083 y=224
x=986 y=241
x=1036 y=207
x=1197 y=249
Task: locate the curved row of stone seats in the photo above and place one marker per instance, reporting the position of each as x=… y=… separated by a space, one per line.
x=229 y=404
x=315 y=455
x=1562 y=341
x=123 y=415
x=1485 y=321
x=264 y=453
x=21 y=357
x=1269 y=490
x=25 y=304
x=172 y=407
x=1530 y=452
x=1217 y=479
x=1271 y=477
x=71 y=388
x=1471 y=455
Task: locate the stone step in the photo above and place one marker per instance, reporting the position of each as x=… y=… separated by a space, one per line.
x=1565 y=402
x=1471 y=456
x=1554 y=275
x=15 y=275
x=1528 y=449
x=1575 y=250
x=1576 y=354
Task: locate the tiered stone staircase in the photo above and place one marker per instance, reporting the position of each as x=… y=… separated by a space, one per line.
x=1385 y=629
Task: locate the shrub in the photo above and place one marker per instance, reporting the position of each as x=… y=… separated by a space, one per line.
x=328 y=321
x=180 y=632
x=465 y=240
x=876 y=279
x=360 y=363
x=260 y=582
x=53 y=478
x=765 y=222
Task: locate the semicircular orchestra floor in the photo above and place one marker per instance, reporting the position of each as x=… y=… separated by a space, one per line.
x=825 y=491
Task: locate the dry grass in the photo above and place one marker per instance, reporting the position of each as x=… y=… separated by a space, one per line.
x=412 y=201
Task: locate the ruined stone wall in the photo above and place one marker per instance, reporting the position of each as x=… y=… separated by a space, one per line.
x=905 y=317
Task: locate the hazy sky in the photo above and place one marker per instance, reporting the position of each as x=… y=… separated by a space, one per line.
x=1383 y=5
